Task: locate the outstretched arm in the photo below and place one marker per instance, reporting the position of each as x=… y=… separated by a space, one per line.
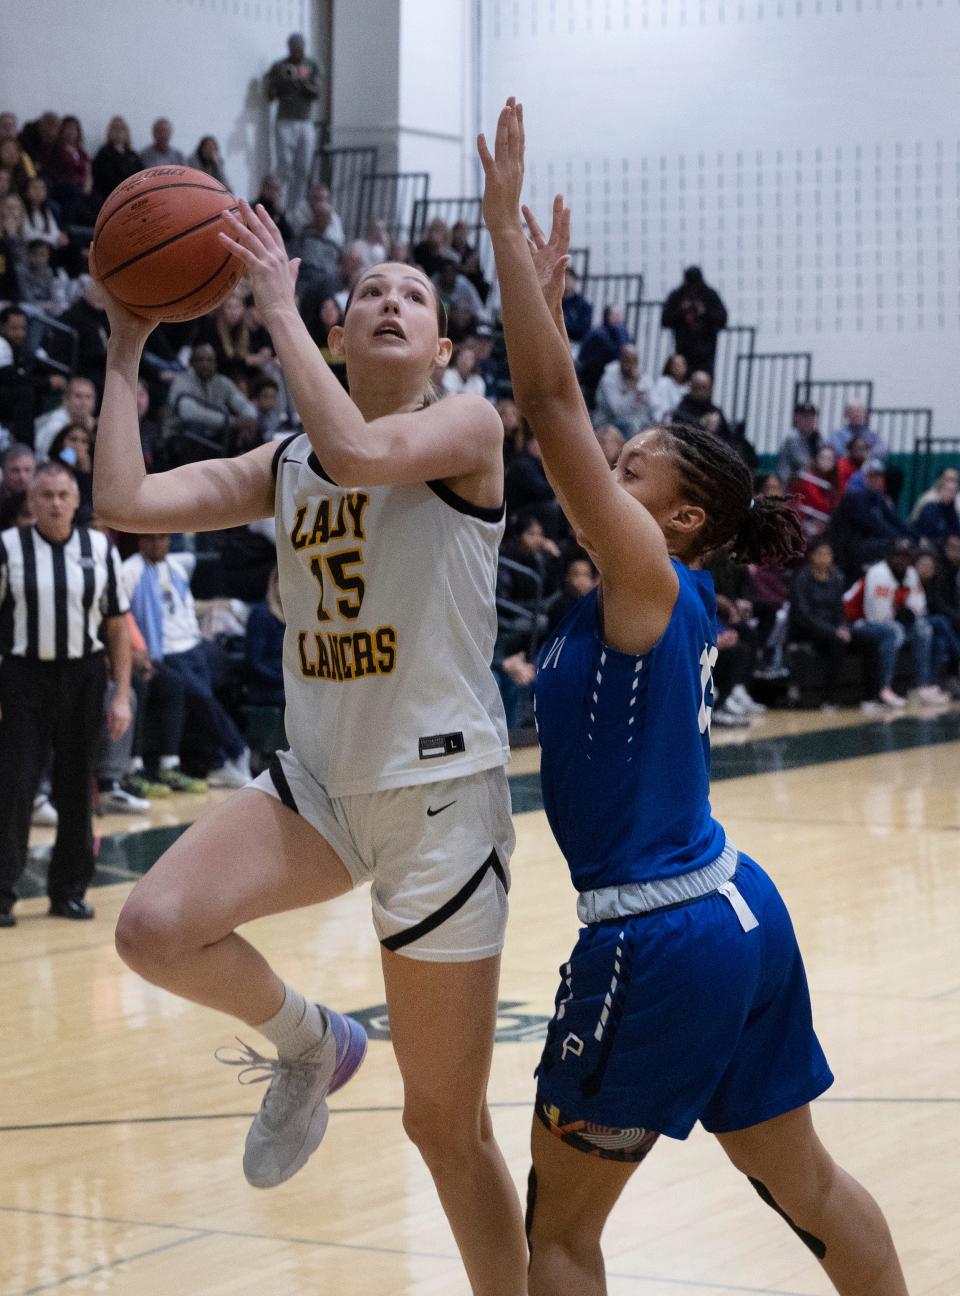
x=628 y=543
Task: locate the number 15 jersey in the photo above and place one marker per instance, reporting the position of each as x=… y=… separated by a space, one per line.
x=389 y=598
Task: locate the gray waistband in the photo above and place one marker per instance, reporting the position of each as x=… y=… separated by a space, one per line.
x=644 y=897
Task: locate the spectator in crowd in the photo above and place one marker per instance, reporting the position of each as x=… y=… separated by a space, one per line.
x=577 y=311
x=515 y=675
x=480 y=340
x=318 y=196
x=17 y=165
x=434 y=248
x=158 y=586
x=887 y=608
x=322 y=312
x=208 y=415
x=12 y=251
x=263 y=648
x=52 y=682
x=77 y=405
x=461 y=376
x=116 y=161
x=696 y=314
x=670 y=388
x=865 y=523
x=39 y=139
x=161 y=152
x=697 y=407
x=944 y=620
x=160 y=718
x=73 y=446
x=739 y=652
x=932 y=494
x=611 y=443
x=294 y=84
x=579 y=578
x=527 y=489
x=817 y=615
x=317 y=244
x=207 y=157
x=769 y=485
x=469 y=258
x=939 y=518
x=815 y=489
x=24 y=380
x=18 y=465
x=600 y=347
x=514 y=437
x=116 y=754
x=462 y=301
x=856 y=423
x=39 y=286
x=41 y=223
x=531 y=547
x=243 y=353
x=13 y=225
x=88 y=317
x=71 y=173
x=376 y=246
x=800 y=445
x=8 y=126
x=270 y=412
x=623 y=394
x=350 y=267
x=857 y=454
x=271 y=198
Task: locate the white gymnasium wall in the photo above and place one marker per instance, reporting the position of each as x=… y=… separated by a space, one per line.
x=805 y=152
x=199 y=62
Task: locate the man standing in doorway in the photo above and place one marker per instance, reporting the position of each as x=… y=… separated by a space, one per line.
x=61 y=602
x=294 y=82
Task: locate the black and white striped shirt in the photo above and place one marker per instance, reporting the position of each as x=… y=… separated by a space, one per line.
x=53 y=596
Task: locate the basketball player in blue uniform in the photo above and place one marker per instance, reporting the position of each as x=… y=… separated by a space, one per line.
x=389 y=511
x=685 y=997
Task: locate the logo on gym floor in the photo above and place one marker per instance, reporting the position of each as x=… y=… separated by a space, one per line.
x=513 y=1027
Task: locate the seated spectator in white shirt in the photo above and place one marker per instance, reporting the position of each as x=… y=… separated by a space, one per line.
x=158 y=586
x=461 y=376
x=318 y=200
x=623 y=395
x=77 y=405
x=376 y=246
x=670 y=388
x=160 y=152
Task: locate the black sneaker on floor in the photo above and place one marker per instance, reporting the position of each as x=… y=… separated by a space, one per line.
x=7 y=919
x=74 y=909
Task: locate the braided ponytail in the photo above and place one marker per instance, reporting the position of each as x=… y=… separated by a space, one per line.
x=760 y=530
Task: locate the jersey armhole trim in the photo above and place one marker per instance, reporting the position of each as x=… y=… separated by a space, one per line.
x=278 y=454
x=313 y=463
x=443 y=492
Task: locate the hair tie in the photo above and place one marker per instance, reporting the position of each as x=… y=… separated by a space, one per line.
x=752 y=503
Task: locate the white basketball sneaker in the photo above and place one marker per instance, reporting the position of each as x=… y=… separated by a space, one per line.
x=292 y=1119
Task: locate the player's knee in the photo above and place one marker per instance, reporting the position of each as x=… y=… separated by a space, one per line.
x=148 y=934
x=441 y=1132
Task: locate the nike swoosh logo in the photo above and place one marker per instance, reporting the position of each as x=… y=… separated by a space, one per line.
x=440 y=809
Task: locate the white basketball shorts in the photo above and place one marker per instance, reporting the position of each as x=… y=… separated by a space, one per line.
x=436 y=855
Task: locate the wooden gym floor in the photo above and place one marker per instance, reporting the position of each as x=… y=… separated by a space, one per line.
x=120 y=1137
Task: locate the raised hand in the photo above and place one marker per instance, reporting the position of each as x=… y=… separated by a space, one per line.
x=255 y=240
x=550 y=256
x=503 y=170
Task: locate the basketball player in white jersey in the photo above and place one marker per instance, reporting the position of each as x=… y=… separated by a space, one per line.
x=389 y=515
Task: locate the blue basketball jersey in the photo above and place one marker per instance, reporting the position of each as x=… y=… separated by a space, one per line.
x=625 y=763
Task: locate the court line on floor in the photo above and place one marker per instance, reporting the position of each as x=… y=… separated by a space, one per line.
x=198 y=1235
x=395 y=1108
x=115 y=1264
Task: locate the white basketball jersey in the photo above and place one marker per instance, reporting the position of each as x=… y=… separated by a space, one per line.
x=388 y=594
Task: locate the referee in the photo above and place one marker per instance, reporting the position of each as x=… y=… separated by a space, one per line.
x=60 y=589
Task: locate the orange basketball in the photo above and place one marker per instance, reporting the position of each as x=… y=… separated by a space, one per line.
x=155 y=245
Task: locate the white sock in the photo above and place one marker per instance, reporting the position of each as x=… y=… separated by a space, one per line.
x=169 y=762
x=297 y=1027
x=136 y=765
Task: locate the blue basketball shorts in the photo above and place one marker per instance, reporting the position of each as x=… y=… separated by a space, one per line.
x=680 y=1015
